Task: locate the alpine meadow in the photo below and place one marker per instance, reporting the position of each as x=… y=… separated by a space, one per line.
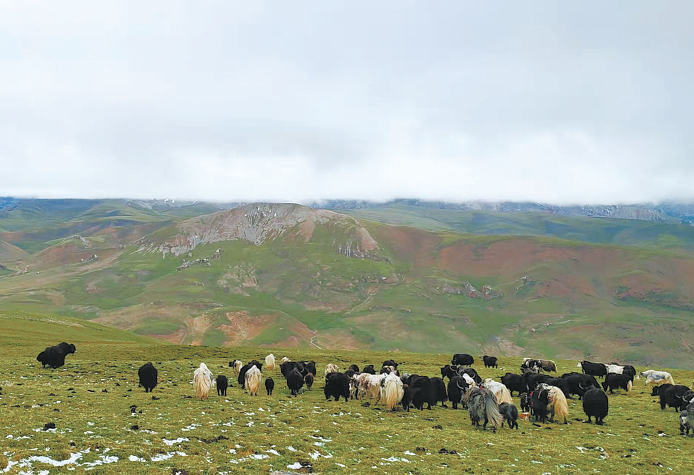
x=410 y=283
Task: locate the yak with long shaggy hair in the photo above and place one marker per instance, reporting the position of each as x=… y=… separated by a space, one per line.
x=392 y=390
x=370 y=386
x=202 y=381
x=270 y=362
x=500 y=391
x=483 y=406
x=557 y=404
x=253 y=380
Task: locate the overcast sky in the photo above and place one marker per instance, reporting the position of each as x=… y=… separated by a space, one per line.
x=561 y=102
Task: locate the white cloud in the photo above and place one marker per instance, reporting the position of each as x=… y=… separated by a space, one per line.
x=304 y=101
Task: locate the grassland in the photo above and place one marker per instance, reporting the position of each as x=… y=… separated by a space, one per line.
x=90 y=400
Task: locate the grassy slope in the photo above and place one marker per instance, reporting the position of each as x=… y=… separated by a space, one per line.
x=582 y=300
x=90 y=398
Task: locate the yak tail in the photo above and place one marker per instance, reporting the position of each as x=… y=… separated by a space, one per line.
x=670 y=380
x=561 y=407
x=628 y=386
x=392 y=393
x=491 y=408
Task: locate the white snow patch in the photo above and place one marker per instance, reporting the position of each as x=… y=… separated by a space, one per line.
x=175 y=441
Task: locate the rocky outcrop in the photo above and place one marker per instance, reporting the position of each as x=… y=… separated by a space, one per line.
x=263 y=222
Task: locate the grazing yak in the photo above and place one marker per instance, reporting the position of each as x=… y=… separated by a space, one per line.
x=594 y=369
x=431 y=391
x=54 y=356
x=242 y=372
x=622 y=369
x=462 y=359
x=579 y=383
x=510 y=413
x=270 y=362
x=500 y=391
x=514 y=382
x=483 y=405
x=490 y=361
x=596 y=404
x=392 y=391
x=556 y=403
x=253 y=379
x=370 y=386
x=673 y=396
x=657 y=377
x=390 y=363
x=547 y=365
x=616 y=381
x=529 y=364
x=337 y=386
x=222 y=385
x=295 y=381
x=288 y=366
x=269 y=386
x=202 y=381
x=148 y=377
x=539 y=404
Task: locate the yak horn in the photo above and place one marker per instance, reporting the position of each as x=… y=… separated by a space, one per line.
x=457 y=383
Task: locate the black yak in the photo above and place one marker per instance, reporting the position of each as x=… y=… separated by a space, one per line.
x=295 y=381
x=354 y=368
x=456 y=388
x=462 y=359
x=596 y=404
x=222 y=385
x=432 y=391
x=514 y=382
x=54 y=356
x=510 y=413
x=616 y=381
x=539 y=404
x=490 y=361
x=593 y=369
x=337 y=386
x=148 y=377
x=269 y=386
x=673 y=396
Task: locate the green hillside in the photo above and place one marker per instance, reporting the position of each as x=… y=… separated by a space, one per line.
x=287 y=275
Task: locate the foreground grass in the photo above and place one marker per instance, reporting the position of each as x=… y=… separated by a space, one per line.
x=90 y=400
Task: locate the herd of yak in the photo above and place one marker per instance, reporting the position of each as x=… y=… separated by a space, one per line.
x=488 y=402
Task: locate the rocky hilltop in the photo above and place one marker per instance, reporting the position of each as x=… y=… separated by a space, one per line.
x=258 y=223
